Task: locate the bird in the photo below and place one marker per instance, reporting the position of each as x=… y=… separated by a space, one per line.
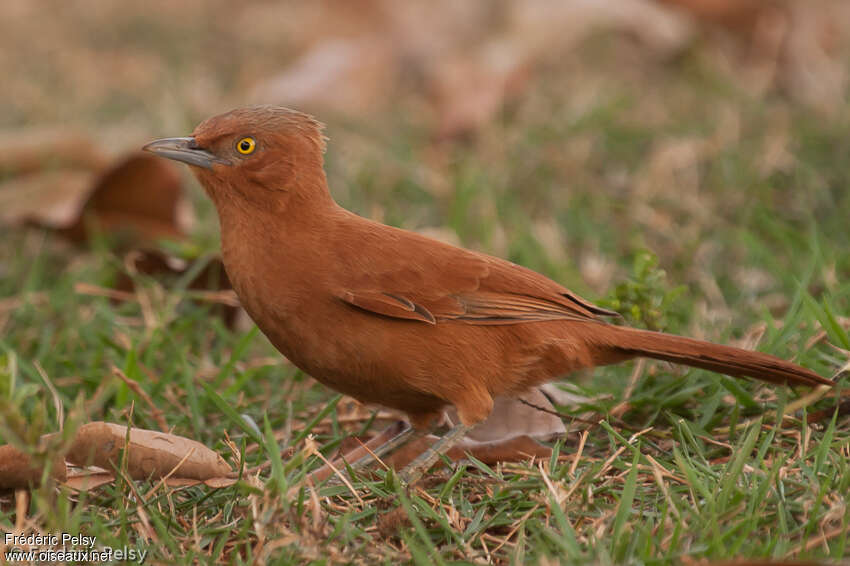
x=394 y=318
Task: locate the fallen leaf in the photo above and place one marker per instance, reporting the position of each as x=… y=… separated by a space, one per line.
x=491 y=452
x=514 y=449
x=18 y=471
x=85 y=480
x=137 y=198
x=150 y=454
x=52 y=199
x=219 y=483
x=512 y=418
x=181 y=482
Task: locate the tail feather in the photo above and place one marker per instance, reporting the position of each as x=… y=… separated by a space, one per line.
x=706 y=355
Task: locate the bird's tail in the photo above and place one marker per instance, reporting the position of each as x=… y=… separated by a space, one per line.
x=632 y=342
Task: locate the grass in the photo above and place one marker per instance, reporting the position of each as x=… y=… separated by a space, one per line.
x=684 y=220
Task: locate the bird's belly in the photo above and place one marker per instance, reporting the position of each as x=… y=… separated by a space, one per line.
x=367 y=379
x=363 y=361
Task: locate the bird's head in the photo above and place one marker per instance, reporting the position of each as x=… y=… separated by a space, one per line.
x=264 y=155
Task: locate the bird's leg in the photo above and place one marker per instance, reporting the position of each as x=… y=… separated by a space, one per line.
x=402 y=438
x=407 y=434
x=414 y=470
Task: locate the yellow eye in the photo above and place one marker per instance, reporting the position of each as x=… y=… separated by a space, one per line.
x=246 y=146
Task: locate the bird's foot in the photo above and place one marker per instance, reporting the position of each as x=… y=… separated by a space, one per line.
x=414 y=470
x=397 y=441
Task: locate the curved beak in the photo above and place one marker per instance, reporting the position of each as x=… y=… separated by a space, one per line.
x=185 y=150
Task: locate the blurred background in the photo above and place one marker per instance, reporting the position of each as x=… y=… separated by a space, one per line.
x=565 y=135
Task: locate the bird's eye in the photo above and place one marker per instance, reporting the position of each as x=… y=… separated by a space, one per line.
x=246 y=146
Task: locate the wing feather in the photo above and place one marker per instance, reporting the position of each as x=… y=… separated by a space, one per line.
x=387 y=304
x=404 y=275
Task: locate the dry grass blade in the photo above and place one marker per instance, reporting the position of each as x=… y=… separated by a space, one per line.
x=156 y=413
x=54 y=394
x=313 y=449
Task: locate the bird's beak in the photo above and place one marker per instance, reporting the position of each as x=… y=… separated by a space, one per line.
x=185 y=150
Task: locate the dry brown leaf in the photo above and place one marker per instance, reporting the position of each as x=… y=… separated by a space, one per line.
x=181 y=482
x=138 y=197
x=514 y=449
x=85 y=480
x=17 y=469
x=214 y=483
x=512 y=418
x=151 y=454
x=52 y=199
x=219 y=483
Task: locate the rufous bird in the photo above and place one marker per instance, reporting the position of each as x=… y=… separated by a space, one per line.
x=391 y=317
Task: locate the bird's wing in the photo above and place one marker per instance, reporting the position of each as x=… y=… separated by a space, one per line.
x=420 y=279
